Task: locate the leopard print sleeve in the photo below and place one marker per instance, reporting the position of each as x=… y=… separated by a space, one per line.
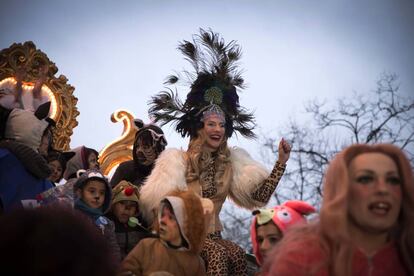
x=266 y=189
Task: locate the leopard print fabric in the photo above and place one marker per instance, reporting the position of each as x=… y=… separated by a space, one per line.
x=208 y=185
x=266 y=189
x=223 y=257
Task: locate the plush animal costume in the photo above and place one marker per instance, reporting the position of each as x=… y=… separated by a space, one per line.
x=283 y=216
x=137 y=169
x=224 y=173
x=154 y=254
x=23 y=171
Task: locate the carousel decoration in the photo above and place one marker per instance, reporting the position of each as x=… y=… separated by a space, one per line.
x=54 y=89
x=120 y=150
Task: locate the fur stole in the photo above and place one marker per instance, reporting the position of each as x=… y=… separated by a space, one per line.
x=169 y=174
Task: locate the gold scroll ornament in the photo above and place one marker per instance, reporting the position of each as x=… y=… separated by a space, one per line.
x=120 y=150
x=56 y=89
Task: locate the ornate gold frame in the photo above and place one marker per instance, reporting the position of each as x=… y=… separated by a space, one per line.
x=120 y=150
x=26 y=54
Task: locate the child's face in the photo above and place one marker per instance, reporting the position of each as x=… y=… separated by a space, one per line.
x=93 y=193
x=125 y=209
x=92 y=161
x=56 y=169
x=44 y=144
x=267 y=236
x=169 y=229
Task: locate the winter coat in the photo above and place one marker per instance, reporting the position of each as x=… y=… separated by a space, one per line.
x=152 y=255
x=23 y=171
x=105 y=225
x=132 y=172
x=23 y=174
x=128 y=237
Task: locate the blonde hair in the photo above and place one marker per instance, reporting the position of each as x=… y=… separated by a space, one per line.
x=198 y=159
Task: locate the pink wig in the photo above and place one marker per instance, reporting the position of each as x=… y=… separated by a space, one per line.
x=326 y=245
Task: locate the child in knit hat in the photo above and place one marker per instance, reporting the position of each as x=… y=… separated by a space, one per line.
x=269 y=225
x=124 y=210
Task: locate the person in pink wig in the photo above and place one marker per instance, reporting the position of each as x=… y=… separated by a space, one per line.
x=366 y=221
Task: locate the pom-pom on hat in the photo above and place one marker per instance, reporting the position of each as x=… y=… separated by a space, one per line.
x=124 y=190
x=283 y=216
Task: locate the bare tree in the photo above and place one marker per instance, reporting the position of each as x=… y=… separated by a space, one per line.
x=236 y=226
x=381 y=116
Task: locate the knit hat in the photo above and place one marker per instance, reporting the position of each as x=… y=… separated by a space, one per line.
x=124 y=190
x=283 y=216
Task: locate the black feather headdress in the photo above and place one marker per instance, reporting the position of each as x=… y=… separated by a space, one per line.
x=213 y=84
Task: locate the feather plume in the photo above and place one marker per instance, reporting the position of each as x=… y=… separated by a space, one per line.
x=165 y=107
x=216 y=69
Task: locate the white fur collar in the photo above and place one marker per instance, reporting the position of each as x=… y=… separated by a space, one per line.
x=169 y=174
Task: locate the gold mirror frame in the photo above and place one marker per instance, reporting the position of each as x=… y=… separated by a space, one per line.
x=120 y=150
x=26 y=55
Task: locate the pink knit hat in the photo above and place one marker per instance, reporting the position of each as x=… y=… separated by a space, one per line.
x=283 y=216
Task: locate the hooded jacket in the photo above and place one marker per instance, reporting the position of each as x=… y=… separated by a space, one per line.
x=105 y=225
x=133 y=171
x=78 y=162
x=153 y=254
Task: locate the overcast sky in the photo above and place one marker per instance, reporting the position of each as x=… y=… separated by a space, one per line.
x=117 y=53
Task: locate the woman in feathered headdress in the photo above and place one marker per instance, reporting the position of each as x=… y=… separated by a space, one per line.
x=210 y=115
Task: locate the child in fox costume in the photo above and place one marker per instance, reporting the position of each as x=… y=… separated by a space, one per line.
x=182 y=217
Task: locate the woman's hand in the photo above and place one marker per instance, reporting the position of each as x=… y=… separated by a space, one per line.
x=284 y=151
